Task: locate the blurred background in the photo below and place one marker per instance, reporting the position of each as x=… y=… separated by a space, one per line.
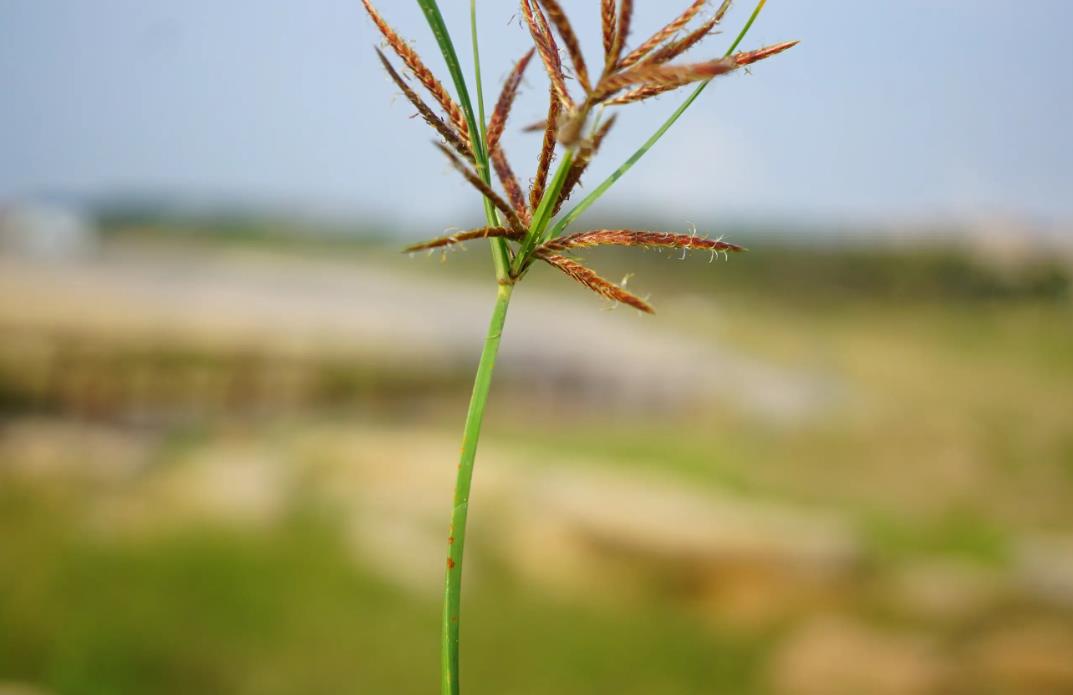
x=230 y=408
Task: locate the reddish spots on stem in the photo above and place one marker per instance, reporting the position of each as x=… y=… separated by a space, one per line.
x=450 y=540
x=450 y=564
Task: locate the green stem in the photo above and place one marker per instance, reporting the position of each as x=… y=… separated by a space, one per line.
x=477 y=74
x=500 y=254
x=598 y=192
x=500 y=251
x=452 y=596
x=452 y=591
x=542 y=215
x=745 y=29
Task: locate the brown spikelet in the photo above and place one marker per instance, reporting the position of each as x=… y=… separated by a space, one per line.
x=652 y=89
x=462 y=147
x=536 y=127
x=547 y=151
x=588 y=277
x=510 y=183
x=669 y=76
x=750 y=57
x=663 y=34
x=581 y=163
x=602 y=131
x=630 y=237
x=573 y=47
x=607 y=24
x=676 y=48
x=640 y=94
x=506 y=100
x=548 y=49
x=482 y=233
x=487 y=191
x=420 y=71
x=622 y=32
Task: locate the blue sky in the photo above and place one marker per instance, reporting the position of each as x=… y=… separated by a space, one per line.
x=913 y=109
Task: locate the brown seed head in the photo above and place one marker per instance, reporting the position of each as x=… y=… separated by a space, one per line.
x=536 y=127
x=607 y=24
x=588 y=277
x=630 y=237
x=547 y=150
x=723 y=9
x=750 y=57
x=676 y=48
x=668 y=81
x=669 y=76
x=510 y=184
x=482 y=233
x=663 y=34
x=420 y=71
x=622 y=32
x=640 y=94
x=487 y=191
x=506 y=100
x=548 y=49
x=451 y=136
x=570 y=41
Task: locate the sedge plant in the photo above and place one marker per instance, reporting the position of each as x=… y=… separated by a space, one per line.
x=528 y=225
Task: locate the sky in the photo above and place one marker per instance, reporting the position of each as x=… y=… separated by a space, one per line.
x=905 y=110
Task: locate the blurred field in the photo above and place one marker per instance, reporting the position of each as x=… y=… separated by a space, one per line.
x=225 y=467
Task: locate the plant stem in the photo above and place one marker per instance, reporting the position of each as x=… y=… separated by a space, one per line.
x=542 y=215
x=452 y=599
x=745 y=29
x=452 y=590
x=477 y=75
x=452 y=596
x=500 y=251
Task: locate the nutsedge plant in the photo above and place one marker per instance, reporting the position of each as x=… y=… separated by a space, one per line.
x=526 y=225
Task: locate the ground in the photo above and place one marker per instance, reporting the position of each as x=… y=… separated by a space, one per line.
x=190 y=506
